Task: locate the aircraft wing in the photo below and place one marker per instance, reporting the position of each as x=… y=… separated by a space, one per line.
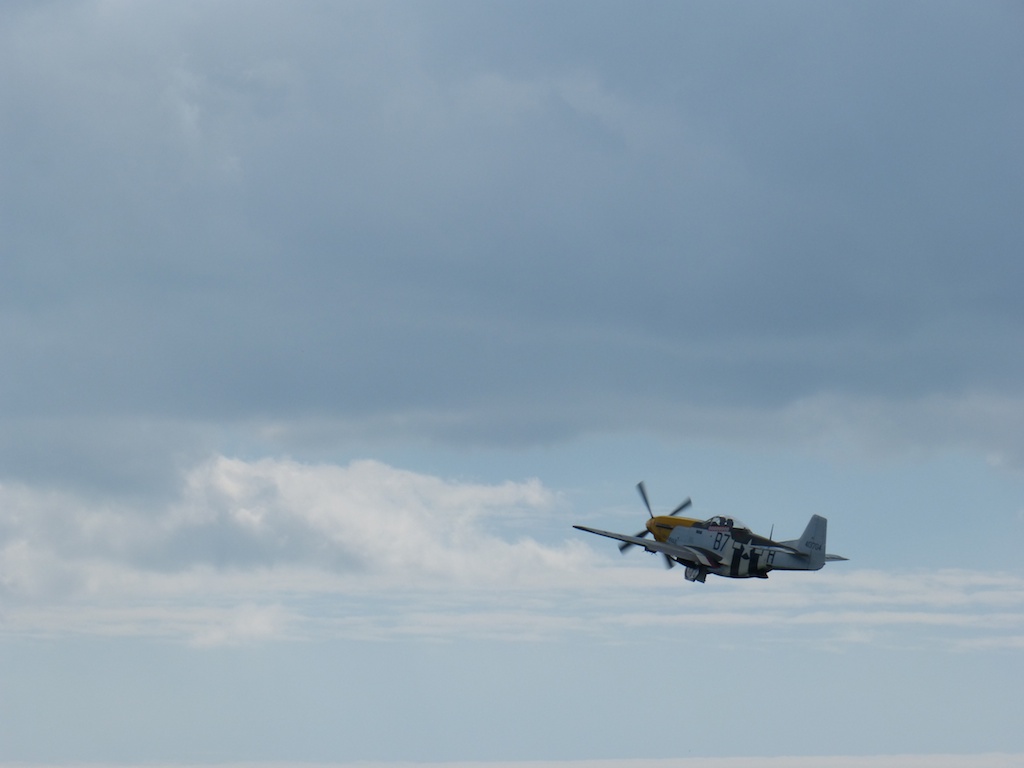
x=683 y=553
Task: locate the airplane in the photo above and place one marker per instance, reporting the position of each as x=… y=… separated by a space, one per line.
x=723 y=545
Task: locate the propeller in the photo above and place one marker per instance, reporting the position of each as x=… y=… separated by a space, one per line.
x=643 y=495
x=641 y=534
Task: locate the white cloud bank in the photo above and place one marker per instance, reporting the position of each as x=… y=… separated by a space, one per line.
x=275 y=549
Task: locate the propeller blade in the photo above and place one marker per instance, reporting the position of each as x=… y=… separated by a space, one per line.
x=668 y=561
x=627 y=544
x=643 y=495
x=681 y=507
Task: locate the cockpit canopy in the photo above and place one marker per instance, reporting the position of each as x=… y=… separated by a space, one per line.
x=723 y=521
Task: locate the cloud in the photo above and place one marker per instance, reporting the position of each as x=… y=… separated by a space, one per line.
x=259 y=548
x=376 y=218
x=274 y=549
x=364 y=519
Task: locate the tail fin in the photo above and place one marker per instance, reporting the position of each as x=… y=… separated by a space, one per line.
x=812 y=542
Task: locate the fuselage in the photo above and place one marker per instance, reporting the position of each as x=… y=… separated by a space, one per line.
x=736 y=551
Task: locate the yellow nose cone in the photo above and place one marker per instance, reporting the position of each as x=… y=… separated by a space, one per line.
x=660 y=527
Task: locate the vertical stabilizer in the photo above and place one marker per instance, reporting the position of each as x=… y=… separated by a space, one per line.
x=812 y=542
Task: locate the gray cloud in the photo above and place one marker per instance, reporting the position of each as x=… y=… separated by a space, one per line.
x=522 y=221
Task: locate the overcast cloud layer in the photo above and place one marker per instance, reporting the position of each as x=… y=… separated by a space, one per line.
x=512 y=222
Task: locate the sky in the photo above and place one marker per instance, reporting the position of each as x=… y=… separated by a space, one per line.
x=322 y=324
